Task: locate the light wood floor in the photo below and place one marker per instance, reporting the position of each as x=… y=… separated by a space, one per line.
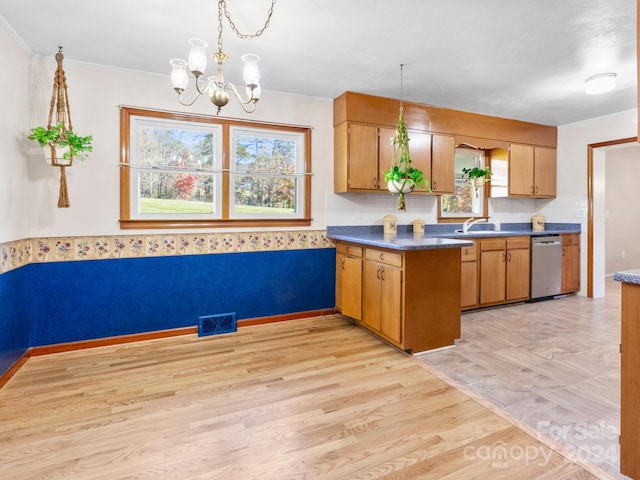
x=316 y=398
x=553 y=365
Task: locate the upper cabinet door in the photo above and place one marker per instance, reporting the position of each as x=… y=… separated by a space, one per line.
x=521 y=170
x=420 y=151
x=443 y=163
x=385 y=153
x=363 y=157
x=545 y=172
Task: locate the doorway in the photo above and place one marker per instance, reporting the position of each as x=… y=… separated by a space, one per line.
x=596 y=155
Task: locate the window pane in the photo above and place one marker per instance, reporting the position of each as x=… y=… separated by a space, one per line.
x=263 y=154
x=260 y=195
x=165 y=147
x=171 y=193
x=267 y=173
x=466 y=200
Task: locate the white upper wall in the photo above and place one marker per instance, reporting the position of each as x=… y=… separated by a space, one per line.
x=573 y=140
x=29 y=187
x=14 y=179
x=95 y=95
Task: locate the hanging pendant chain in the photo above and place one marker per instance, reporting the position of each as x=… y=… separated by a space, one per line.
x=222 y=8
x=401 y=67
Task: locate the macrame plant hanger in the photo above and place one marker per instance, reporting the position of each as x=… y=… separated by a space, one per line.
x=60 y=101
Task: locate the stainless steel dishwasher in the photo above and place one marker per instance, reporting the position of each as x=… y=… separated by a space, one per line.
x=546 y=266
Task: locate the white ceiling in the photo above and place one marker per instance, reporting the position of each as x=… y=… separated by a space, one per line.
x=521 y=59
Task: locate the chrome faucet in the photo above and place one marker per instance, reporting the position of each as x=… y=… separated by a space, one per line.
x=469 y=222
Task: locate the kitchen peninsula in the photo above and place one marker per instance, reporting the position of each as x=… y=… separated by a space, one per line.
x=630 y=373
x=403 y=287
x=410 y=288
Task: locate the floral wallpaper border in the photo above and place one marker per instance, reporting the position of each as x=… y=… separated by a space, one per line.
x=60 y=249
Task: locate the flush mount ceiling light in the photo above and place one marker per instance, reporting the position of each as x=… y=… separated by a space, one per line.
x=604 y=82
x=216 y=88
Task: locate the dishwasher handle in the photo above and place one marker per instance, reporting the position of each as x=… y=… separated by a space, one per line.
x=546 y=241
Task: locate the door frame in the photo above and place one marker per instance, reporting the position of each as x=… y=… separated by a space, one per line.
x=590 y=149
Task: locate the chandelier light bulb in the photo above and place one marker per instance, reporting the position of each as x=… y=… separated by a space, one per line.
x=179 y=77
x=197 y=56
x=601 y=83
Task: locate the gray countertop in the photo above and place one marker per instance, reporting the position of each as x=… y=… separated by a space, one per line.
x=439 y=236
x=628 y=276
x=401 y=241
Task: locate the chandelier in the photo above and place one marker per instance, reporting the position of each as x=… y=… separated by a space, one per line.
x=215 y=87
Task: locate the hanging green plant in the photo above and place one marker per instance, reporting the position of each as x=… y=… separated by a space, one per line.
x=475 y=173
x=402 y=178
x=59 y=136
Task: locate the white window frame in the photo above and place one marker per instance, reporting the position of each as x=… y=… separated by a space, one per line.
x=137 y=168
x=223 y=216
x=297 y=176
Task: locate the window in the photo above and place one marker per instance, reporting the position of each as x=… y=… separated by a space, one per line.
x=467 y=201
x=181 y=170
x=265 y=176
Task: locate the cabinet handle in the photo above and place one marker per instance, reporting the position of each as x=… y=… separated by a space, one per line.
x=536 y=189
x=348 y=249
x=343 y=264
x=466 y=251
x=563 y=251
x=382 y=274
x=435 y=186
x=533 y=190
x=509 y=256
x=375 y=183
x=382 y=256
x=378 y=273
x=504 y=257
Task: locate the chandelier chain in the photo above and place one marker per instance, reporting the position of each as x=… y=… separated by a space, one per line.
x=222 y=8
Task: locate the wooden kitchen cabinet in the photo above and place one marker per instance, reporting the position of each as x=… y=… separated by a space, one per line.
x=442 y=163
x=504 y=270
x=570 y=263
x=356 y=146
x=518 y=268
x=382 y=297
x=469 y=277
x=532 y=171
x=349 y=280
x=410 y=298
x=630 y=381
x=363 y=152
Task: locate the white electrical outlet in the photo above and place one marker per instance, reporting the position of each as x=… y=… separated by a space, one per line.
x=624 y=254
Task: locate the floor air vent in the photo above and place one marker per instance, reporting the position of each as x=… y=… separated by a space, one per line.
x=216 y=324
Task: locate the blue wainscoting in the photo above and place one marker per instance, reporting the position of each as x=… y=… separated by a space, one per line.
x=14 y=321
x=82 y=300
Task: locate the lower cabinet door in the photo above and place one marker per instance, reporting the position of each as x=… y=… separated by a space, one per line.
x=391 y=303
x=371 y=295
x=469 y=284
x=518 y=273
x=492 y=276
x=349 y=286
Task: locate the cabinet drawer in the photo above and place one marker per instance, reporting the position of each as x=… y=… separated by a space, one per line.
x=493 y=244
x=468 y=254
x=518 y=242
x=384 y=256
x=570 y=239
x=347 y=249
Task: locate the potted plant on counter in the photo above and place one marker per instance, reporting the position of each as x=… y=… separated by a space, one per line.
x=402 y=178
x=61 y=145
